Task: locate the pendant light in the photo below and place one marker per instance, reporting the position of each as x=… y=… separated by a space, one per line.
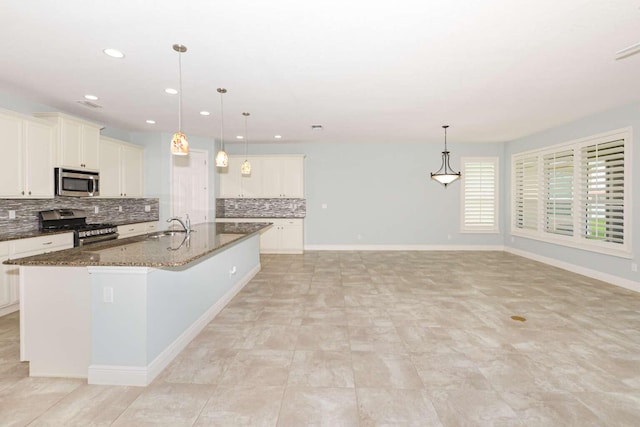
x=445 y=174
x=222 y=158
x=179 y=143
x=245 y=169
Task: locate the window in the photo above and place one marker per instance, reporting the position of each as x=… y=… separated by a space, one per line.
x=480 y=195
x=574 y=193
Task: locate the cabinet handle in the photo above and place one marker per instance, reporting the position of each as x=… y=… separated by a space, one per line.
x=29 y=192
x=47 y=243
x=23 y=193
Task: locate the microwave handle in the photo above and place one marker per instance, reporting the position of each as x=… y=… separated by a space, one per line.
x=93 y=186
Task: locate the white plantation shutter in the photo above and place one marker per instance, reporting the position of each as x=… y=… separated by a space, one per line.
x=558 y=195
x=574 y=194
x=480 y=195
x=602 y=191
x=526 y=193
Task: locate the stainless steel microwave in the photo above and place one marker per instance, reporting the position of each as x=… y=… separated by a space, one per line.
x=77 y=183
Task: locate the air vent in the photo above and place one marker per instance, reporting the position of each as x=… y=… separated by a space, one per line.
x=89 y=104
x=317 y=127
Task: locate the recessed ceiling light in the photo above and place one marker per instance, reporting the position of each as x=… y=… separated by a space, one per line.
x=91 y=97
x=171 y=91
x=204 y=113
x=151 y=122
x=239 y=137
x=277 y=136
x=114 y=53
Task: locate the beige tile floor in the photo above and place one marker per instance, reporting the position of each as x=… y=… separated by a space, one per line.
x=377 y=338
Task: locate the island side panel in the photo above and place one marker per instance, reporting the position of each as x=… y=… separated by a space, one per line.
x=156 y=312
x=181 y=298
x=56 y=320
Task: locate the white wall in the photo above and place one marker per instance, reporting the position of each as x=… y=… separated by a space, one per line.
x=599 y=123
x=381 y=192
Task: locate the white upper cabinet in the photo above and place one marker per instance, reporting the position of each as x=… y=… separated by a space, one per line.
x=121 y=169
x=77 y=141
x=26 y=168
x=271 y=177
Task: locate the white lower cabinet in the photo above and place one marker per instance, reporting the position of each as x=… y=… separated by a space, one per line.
x=285 y=236
x=130 y=230
x=13 y=249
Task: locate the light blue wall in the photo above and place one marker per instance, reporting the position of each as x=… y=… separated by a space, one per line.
x=610 y=120
x=382 y=192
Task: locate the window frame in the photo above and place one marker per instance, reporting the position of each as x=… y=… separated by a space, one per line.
x=578 y=239
x=495 y=228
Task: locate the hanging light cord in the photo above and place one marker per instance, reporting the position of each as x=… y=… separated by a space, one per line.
x=246 y=134
x=221 y=118
x=180 y=89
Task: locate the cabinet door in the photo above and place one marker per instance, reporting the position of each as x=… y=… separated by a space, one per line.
x=292 y=177
x=252 y=184
x=271 y=177
x=11 y=162
x=38 y=144
x=90 y=147
x=70 y=143
x=110 y=169
x=132 y=160
x=230 y=184
x=291 y=236
x=5 y=280
x=269 y=238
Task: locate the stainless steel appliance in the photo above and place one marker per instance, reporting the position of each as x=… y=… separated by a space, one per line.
x=77 y=183
x=76 y=220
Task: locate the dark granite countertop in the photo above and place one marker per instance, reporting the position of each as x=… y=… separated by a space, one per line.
x=146 y=251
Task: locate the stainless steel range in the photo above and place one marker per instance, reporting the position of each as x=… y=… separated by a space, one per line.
x=76 y=220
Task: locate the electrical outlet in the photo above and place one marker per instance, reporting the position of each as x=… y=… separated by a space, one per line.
x=12 y=214
x=147 y=208
x=96 y=209
x=119 y=208
x=359 y=237
x=107 y=294
x=323 y=206
x=449 y=237
x=634 y=267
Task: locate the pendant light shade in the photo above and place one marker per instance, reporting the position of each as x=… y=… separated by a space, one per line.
x=179 y=143
x=222 y=158
x=245 y=169
x=445 y=174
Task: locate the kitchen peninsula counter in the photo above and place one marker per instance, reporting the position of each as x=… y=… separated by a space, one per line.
x=151 y=250
x=119 y=312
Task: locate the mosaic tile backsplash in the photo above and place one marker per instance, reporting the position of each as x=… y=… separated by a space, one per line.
x=108 y=211
x=261 y=208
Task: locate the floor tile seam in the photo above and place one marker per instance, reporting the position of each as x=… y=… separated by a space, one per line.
x=54 y=404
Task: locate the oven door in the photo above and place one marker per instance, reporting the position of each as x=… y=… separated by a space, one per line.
x=77 y=183
x=84 y=241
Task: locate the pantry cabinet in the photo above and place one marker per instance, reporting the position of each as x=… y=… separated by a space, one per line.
x=77 y=141
x=285 y=236
x=271 y=177
x=20 y=248
x=121 y=169
x=26 y=170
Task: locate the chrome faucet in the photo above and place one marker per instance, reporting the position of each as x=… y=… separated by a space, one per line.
x=186 y=224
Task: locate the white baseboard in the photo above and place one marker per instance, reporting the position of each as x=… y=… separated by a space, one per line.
x=594 y=274
x=9 y=309
x=143 y=376
x=404 y=248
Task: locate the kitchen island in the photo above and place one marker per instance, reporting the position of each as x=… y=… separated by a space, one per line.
x=118 y=312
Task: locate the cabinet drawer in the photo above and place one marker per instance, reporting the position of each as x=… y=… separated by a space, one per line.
x=38 y=245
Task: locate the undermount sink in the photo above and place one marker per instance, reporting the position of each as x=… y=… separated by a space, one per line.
x=167 y=233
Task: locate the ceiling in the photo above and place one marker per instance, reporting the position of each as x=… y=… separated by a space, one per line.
x=368 y=71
